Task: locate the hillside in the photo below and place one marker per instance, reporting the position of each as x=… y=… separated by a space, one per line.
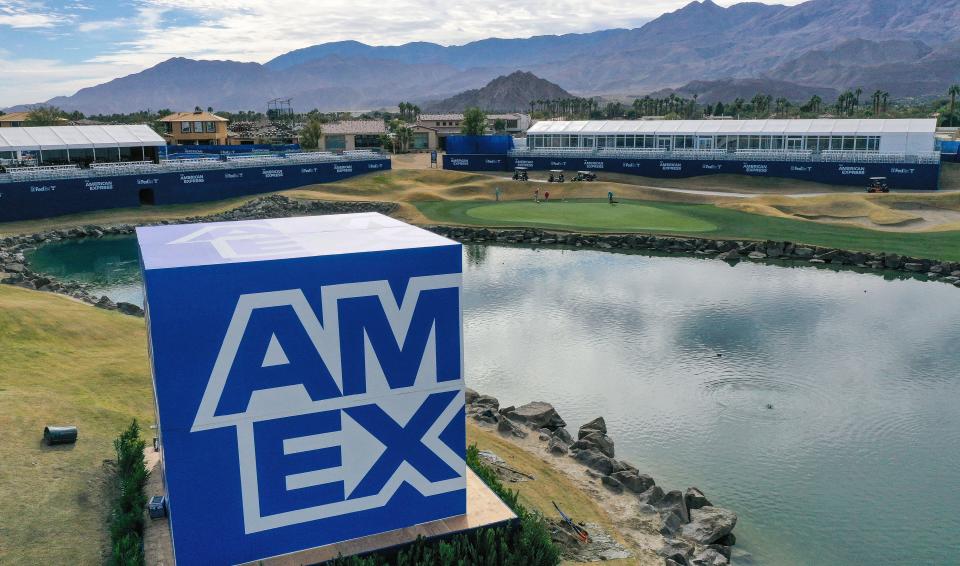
x=905 y=48
x=510 y=93
x=725 y=90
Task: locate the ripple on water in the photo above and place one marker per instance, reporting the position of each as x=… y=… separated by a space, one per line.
x=754 y=398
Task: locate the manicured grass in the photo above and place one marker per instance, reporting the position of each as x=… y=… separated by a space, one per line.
x=627 y=216
x=729 y=224
x=63 y=363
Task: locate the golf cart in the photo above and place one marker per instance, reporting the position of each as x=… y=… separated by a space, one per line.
x=585 y=176
x=519 y=173
x=556 y=176
x=878 y=185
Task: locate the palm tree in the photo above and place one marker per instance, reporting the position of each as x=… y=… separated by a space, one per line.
x=953 y=91
x=857 y=93
x=876 y=102
x=815 y=102
x=885 y=96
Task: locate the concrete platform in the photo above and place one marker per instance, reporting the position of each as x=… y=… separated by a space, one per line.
x=484 y=509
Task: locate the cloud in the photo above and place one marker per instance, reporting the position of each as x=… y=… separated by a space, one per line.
x=20 y=14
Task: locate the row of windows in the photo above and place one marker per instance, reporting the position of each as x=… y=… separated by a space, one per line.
x=197 y=127
x=729 y=143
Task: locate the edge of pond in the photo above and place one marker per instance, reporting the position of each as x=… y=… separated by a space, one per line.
x=15 y=268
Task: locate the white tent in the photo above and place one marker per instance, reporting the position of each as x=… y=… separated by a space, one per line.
x=51 y=138
x=897 y=135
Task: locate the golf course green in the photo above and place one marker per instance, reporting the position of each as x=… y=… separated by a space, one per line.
x=627 y=216
x=595 y=215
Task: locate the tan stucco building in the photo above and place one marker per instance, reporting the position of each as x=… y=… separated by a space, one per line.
x=349 y=135
x=195 y=128
x=13 y=119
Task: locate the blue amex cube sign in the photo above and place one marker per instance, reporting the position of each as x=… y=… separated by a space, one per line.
x=309 y=381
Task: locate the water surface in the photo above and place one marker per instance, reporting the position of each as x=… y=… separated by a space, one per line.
x=820 y=405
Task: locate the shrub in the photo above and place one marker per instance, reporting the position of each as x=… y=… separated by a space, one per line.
x=528 y=544
x=126 y=519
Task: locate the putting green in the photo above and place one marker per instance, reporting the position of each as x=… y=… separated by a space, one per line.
x=596 y=215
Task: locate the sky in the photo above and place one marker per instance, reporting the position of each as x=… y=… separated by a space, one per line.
x=52 y=48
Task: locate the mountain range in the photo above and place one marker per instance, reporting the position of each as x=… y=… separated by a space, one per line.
x=906 y=47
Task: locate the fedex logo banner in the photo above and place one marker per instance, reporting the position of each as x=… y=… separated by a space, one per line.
x=309 y=381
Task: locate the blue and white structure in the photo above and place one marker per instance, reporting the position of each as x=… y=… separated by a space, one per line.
x=308 y=375
x=836 y=151
x=49 y=171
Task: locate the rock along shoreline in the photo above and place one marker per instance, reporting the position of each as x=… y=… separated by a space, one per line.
x=15 y=269
x=694 y=531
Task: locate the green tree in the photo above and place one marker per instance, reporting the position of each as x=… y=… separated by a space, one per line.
x=953 y=91
x=45 y=116
x=403 y=136
x=474 y=122
x=311 y=134
x=500 y=125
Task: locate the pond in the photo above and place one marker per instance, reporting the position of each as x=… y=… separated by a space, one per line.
x=820 y=405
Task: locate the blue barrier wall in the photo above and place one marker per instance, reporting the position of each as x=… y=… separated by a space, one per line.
x=949 y=150
x=495 y=145
x=289 y=418
x=41 y=199
x=899 y=176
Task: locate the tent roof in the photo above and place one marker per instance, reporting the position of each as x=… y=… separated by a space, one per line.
x=741 y=127
x=77 y=137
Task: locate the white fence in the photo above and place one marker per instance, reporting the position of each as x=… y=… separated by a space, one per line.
x=187 y=164
x=931 y=157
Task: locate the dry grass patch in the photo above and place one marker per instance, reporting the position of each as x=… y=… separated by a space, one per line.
x=63 y=362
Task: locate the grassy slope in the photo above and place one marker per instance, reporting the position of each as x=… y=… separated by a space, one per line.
x=63 y=362
x=734 y=224
x=548 y=486
x=624 y=216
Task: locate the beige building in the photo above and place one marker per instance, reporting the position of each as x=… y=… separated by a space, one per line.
x=18 y=120
x=194 y=128
x=431 y=130
x=13 y=119
x=349 y=135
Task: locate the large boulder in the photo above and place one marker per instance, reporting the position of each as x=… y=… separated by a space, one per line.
x=696 y=499
x=709 y=524
x=651 y=496
x=538 y=415
x=595 y=440
x=563 y=435
x=129 y=308
x=676 y=546
x=670 y=524
x=557 y=447
x=596 y=425
x=674 y=502
x=710 y=557
x=486 y=401
x=470 y=396
x=507 y=427
x=596 y=460
x=612 y=484
x=633 y=481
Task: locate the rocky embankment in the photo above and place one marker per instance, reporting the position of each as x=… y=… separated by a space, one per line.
x=728 y=250
x=694 y=531
x=15 y=270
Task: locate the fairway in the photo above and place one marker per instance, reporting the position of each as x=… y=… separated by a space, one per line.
x=625 y=216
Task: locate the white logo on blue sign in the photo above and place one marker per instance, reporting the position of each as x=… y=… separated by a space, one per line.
x=394 y=438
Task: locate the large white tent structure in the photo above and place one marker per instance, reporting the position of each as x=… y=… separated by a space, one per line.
x=67 y=144
x=899 y=136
